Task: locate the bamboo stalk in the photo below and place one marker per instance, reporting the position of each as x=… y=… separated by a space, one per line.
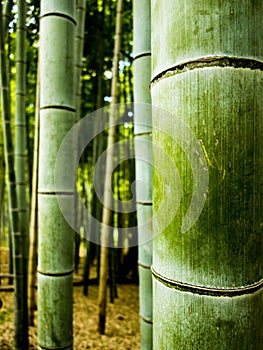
x=107 y=213
x=207 y=65
x=79 y=45
x=20 y=145
x=20 y=324
x=8 y=4
x=32 y=273
x=95 y=204
x=57 y=116
x=142 y=141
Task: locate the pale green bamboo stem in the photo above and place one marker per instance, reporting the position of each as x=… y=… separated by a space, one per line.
x=207 y=74
x=142 y=137
x=57 y=116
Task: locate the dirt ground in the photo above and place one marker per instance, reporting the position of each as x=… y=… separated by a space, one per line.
x=122 y=327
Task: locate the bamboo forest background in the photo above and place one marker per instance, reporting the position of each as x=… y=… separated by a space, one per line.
x=96 y=76
x=95 y=66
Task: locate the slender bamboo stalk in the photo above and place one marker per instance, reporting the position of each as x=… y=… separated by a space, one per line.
x=142 y=140
x=8 y=4
x=2 y=175
x=207 y=70
x=107 y=213
x=20 y=324
x=79 y=45
x=10 y=255
x=20 y=143
x=33 y=217
x=57 y=116
x=95 y=204
x=6 y=19
x=100 y=57
x=2 y=189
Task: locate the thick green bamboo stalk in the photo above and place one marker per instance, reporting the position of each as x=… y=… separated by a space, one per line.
x=20 y=143
x=20 y=324
x=107 y=213
x=207 y=76
x=143 y=153
x=57 y=116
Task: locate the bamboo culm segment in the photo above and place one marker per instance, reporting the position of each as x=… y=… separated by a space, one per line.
x=204 y=29
x=238 y=317
x=223 y=249
x=230 y=222
x=57 y=116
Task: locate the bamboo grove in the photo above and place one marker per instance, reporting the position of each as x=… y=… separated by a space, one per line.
x=175 y=90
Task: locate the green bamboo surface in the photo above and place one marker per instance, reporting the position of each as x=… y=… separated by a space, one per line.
x=207 y=71
x=57 y=116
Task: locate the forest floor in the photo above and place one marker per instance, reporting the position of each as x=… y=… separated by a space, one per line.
x=122 y=326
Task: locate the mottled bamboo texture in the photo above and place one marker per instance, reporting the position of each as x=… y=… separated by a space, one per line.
x=57 y=116
x=143 y=152
x=207 y=70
